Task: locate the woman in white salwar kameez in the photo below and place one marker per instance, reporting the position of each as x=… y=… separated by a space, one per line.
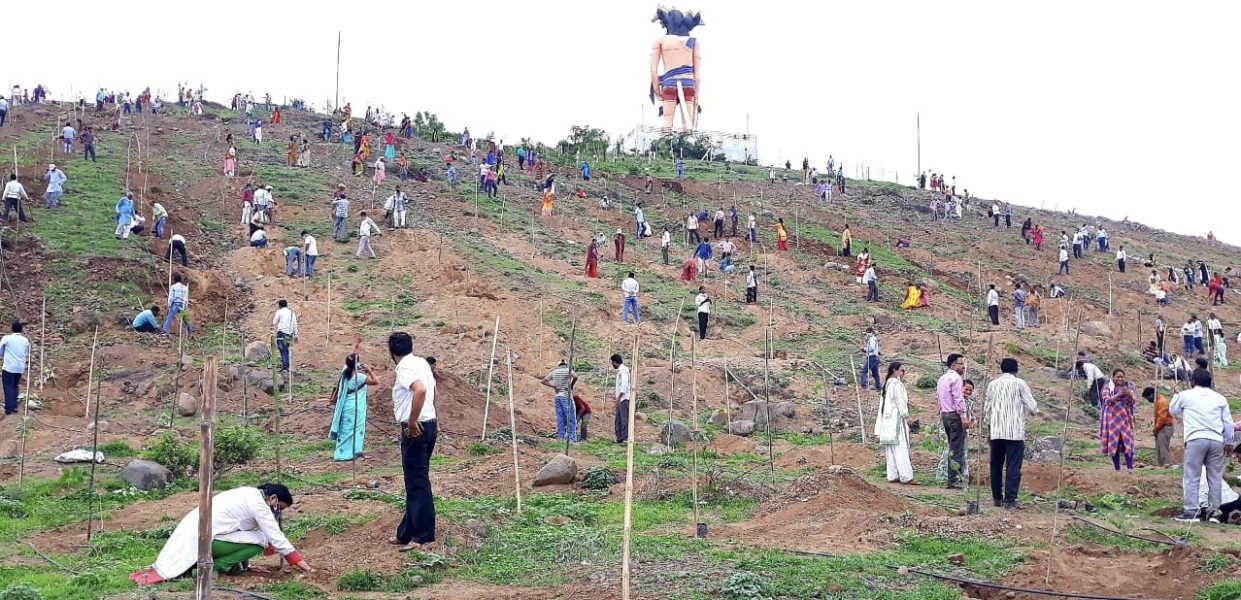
x=891 y=426
x=243 y=526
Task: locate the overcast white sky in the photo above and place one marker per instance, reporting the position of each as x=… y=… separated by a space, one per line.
x=1115 y=108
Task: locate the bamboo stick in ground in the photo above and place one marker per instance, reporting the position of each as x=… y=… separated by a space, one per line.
x=857 y=392
x=1068 y=407
x=693 y=349
x=627 y=533
x=573 y=407
x=512 y=426
x=491 y=363
x=676 y=328
x=206 y=466
x=90 y=509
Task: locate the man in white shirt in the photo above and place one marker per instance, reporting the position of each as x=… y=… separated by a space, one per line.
x=397 y=202
x=413 y=406
x=365 y=230
x=285 y=323
x=630 y=289
x=993 y=305
x=55 y=179
x=310 y=249
x=14 y=193
x=691 y=229
x=703 y=301
x=871 y=366
x=665 y=243
x=16 y=351
x=1007 y=401
x=621 y=394
x=752 y=223
x=1064 y=261
x=751 y=286
x=176 y=245
x=1120 y=259
x=67 y=134
x=1209 y=434
x=178 y=300
x=1095 y=379
x=1077 y=244
x=872 y=283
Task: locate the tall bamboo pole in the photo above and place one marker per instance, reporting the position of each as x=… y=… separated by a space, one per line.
x=676 y=328
x=206 y=468
x=857 y=392
x=491 y=364
x=693 y=353
x=628 y=521
x=572 y=406
x=771 y=442
x=90 y=509
x=512 y=426
x=1068 y=408
x=25 y=429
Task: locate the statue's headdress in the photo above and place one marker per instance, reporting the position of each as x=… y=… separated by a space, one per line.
x=676 y=22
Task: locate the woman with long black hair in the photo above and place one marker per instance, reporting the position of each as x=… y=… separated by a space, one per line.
x=349 y=421
x=891 y=427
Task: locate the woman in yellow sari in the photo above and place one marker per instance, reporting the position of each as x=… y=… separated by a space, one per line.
x=549 y=199
x=365 y=149
x=913 y=297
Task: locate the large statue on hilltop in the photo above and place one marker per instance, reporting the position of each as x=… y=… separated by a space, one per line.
x=680 y=84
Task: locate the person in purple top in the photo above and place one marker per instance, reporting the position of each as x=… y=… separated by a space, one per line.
x=952 y=413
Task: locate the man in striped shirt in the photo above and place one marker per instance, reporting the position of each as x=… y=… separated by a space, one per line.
x=1007 y=402
x=562 y=380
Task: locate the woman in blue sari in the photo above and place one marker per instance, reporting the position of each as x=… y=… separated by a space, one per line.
x=349 y=421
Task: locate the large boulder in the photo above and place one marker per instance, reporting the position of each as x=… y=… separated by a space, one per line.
x=561 y=469
x=146 y=475
x=756 y=411
x=1096 y=329
x=786 y=409
x=187 y=405
x=742 y=427
x=258 y=351
x=718 y=417
x=674 y=432
x=658 y=450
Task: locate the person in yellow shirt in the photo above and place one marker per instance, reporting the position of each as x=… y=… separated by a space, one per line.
x=846 y=242
x=782 y=236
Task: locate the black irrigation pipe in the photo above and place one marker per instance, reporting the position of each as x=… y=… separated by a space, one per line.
x=242 y=592
x=994 y=586
x=1175 y=543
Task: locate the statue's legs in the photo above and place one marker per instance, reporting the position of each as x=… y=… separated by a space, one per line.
x=669 y=111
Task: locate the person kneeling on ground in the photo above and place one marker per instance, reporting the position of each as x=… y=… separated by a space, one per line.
x=243 y=522
x=147 y=321
x=258 y=239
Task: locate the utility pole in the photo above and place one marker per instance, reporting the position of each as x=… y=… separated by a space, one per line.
x=919 y=171
x=337 y=70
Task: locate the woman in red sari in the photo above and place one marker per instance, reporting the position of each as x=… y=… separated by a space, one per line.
x=592 y=260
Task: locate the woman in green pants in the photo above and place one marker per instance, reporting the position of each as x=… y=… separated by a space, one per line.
x=243 y=525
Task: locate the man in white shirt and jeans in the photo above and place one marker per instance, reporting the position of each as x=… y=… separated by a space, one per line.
x=14 y=193
x=285 y=323
x=630 y=289
x=621 y=394
x=16 y=351
x=993 y=305
x=1209 y=435
x=310 y=249
x=413 y=405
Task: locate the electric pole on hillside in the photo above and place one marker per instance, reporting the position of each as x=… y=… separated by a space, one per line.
x=919 y=172
x=337 y=70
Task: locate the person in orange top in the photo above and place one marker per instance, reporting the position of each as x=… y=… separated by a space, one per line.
x=583 y=416
x=1165 y=425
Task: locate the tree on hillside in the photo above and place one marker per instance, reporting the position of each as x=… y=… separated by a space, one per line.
x=585 y=139
x=687 y=145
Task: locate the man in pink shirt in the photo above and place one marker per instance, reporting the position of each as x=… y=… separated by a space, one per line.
x=953 y=415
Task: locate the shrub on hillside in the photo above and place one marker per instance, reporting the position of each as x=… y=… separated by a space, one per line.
x=598 y=478
x=235 y=446
x=926 y=382
x=20 y=591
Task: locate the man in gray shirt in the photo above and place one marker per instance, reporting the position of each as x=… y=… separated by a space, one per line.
x=562 y=380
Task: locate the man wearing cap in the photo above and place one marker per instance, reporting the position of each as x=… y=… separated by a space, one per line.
x=562 y=379
x=160 y=215
x=55 y=179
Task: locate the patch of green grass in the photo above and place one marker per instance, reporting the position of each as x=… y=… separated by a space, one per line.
x=1223 y=590
x=117 y=449
x=292 y=590
x=297 y=528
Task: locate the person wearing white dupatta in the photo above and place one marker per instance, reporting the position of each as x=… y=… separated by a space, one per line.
x=892 y=428
x=243 y=524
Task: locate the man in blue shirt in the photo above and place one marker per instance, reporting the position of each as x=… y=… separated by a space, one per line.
x=680 y=168
x=55 y=179
x=735 y=216
x=703 y=254
x=146 y=321
x=16 y=351
x=639 y=217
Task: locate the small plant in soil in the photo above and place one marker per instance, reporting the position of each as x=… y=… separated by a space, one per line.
x=481 y=449
x=598 y=478
x=742 y=586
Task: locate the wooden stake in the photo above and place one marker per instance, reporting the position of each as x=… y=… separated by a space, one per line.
x=94 y=343
x=329 y=308
x=94 y=451
x=693 y=480
x=831 y=446
x=1068 y=409
x=206 y=468
x=628 y=521
x=572 y=406
x=728 y=401
x=676 y=328
x=512 y=426
x=25 y=427
x=857 y=392
x=771 y=442
x=491 y=363
x=1109 y=294
x=275 y=396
